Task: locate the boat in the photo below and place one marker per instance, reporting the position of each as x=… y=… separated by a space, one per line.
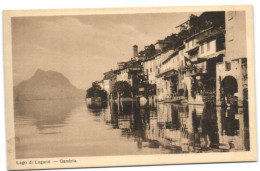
x=177 y=99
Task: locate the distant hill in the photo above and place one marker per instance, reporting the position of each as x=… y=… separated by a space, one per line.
x=45 y=85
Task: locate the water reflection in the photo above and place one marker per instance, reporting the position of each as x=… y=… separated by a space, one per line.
x=67 y=128
x=178 y=128
x=44 y=114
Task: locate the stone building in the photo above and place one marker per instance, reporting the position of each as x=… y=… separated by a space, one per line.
x=205 y=61
x=167 y=78
x=231 y=86
x=129 y=71
x=149 y=69
x=109 y=80
x=204 y=49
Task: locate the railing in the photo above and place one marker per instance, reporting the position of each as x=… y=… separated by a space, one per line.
x=195 y=71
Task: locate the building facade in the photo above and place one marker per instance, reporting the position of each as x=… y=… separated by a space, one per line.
x=232 y=87
x=205 y=62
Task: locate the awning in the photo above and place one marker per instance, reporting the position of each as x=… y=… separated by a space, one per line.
x=213 y=55
x=168 y=74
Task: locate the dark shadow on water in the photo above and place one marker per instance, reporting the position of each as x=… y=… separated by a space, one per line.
x=96 y=107
x=179 y=128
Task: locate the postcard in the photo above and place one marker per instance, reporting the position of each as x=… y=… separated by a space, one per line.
x=129 y=86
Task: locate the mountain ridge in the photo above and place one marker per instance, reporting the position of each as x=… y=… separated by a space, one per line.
x=45 y=85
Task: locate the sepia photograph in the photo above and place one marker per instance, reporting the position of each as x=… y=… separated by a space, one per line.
x=120 y=87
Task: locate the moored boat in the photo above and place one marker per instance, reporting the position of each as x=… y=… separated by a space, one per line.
x=177 y=99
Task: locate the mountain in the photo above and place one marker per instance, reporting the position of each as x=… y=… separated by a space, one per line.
x=45 y=85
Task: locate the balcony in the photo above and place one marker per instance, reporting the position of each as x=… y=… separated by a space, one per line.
x=194 y=58
x=195 y=71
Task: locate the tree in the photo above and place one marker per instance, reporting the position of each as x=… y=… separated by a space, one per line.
x=123 y=88
x=96 y=91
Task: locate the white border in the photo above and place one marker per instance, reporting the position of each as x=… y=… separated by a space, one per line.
x=47 y=4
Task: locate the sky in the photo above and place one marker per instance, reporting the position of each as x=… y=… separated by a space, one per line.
x=82 y=48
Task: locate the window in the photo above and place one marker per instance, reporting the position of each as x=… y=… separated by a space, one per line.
x=146 y=71
x=151 y=69
x=202 y=48
x=245 y=77
x=228 y=66
x=192 y=43
x=208 y=46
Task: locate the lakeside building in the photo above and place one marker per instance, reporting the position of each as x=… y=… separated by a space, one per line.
x=170 y=78
x=167 y=69
x=204 y=48
x=129 y=71
x=232 y=83
x=109 y=80
x=205 y=62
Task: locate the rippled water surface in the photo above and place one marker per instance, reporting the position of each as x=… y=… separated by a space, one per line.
x=62 y=128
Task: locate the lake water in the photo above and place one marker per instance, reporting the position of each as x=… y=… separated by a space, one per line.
x=65 y=128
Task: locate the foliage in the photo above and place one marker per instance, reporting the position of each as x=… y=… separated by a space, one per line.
x=206 y=20
x=180 y=92
x=96 y=91
x=176 y=39
x=206 y=88
x=151 y=88
x=123 y=88
x=209 y=96
x=197 y=87
x=149 y=51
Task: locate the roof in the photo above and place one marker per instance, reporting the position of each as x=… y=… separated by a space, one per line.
x=163 y=42
x=194 y=35
x=194 y=49
x=130 y=64
x=209 y=34
x=186 y=22
x=180 y=47
x=153 y=57
x=212 y=55
x=175 y=53
x=168 y=74
x=109 y=74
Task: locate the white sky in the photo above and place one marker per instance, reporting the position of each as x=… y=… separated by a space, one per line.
x=84 y=47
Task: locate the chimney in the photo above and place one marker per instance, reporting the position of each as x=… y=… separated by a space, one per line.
x=135 y=51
